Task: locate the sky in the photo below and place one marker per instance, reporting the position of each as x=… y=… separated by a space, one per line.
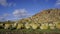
x=18 y=9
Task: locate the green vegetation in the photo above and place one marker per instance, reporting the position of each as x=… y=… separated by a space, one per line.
x=42 y=26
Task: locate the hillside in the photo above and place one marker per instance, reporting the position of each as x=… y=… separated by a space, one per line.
x=44 y=16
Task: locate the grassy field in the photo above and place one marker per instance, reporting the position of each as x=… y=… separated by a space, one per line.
x=30 y=31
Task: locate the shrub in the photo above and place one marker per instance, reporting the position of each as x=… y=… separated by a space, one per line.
x=34 y=25
x=27 y=26
x=19 y=26
x=7 y=26
x=58 y=25
x=52 y=26
x=44 y=26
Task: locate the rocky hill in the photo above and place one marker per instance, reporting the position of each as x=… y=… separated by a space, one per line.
x=45 y=16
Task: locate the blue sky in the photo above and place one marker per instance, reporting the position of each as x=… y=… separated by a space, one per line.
x=17 y=9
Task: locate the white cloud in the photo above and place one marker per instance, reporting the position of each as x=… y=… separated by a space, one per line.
x=4 y=16
x=5 y=3
x=57 y=2
x=16 y=14
x=21 y=13
x=12 y=4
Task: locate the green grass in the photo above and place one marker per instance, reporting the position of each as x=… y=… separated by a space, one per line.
x=31 y=31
